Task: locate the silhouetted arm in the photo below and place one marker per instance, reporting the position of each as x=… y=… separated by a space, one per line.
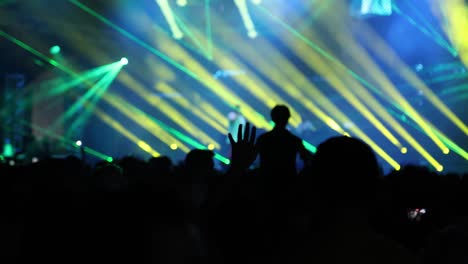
x=243 y=155
x=243 y=151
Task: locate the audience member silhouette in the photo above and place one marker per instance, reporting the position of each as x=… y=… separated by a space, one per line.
x=279 y=148
x=340 y=209
x=278 y=152
x=342 y=184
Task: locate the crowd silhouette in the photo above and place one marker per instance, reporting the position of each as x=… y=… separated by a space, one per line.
x=339 y=208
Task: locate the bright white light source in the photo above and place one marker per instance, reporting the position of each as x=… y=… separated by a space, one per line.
x=124 y=61
x=78 y=143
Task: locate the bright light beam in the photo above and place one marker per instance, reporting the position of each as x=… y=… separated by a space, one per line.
x=170 y=18
x=392 y=59
x=75 y=107
x=248 y=23
x=88 y=111
x=132 y=112
x=209 y=82
x=187 y=105
x=165 y=107
x=134 y=38
x=248 y=81
x=125 y=132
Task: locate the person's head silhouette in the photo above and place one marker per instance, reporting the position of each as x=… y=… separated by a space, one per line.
x=347 y=168
x=280 y=115
x=199 y=164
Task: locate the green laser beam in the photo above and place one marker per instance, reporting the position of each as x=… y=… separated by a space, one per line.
x=72 y=73
x=328 y=56
x=88 y=75
x=431 y=27
x=59 y=66
x=189 y=33
x=79 y=103
x=425 y=31
x=448 y=142
x=93 y=101
x=320 y=50
x=179 y=135
x=36 y=52
x=134 y=38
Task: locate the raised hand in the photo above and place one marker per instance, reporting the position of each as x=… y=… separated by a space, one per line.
x=243 y=151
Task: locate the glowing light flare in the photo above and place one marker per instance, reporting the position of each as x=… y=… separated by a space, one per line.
x=124 y=61
x=54 y=50
x=181 y=3
x=8 y=150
